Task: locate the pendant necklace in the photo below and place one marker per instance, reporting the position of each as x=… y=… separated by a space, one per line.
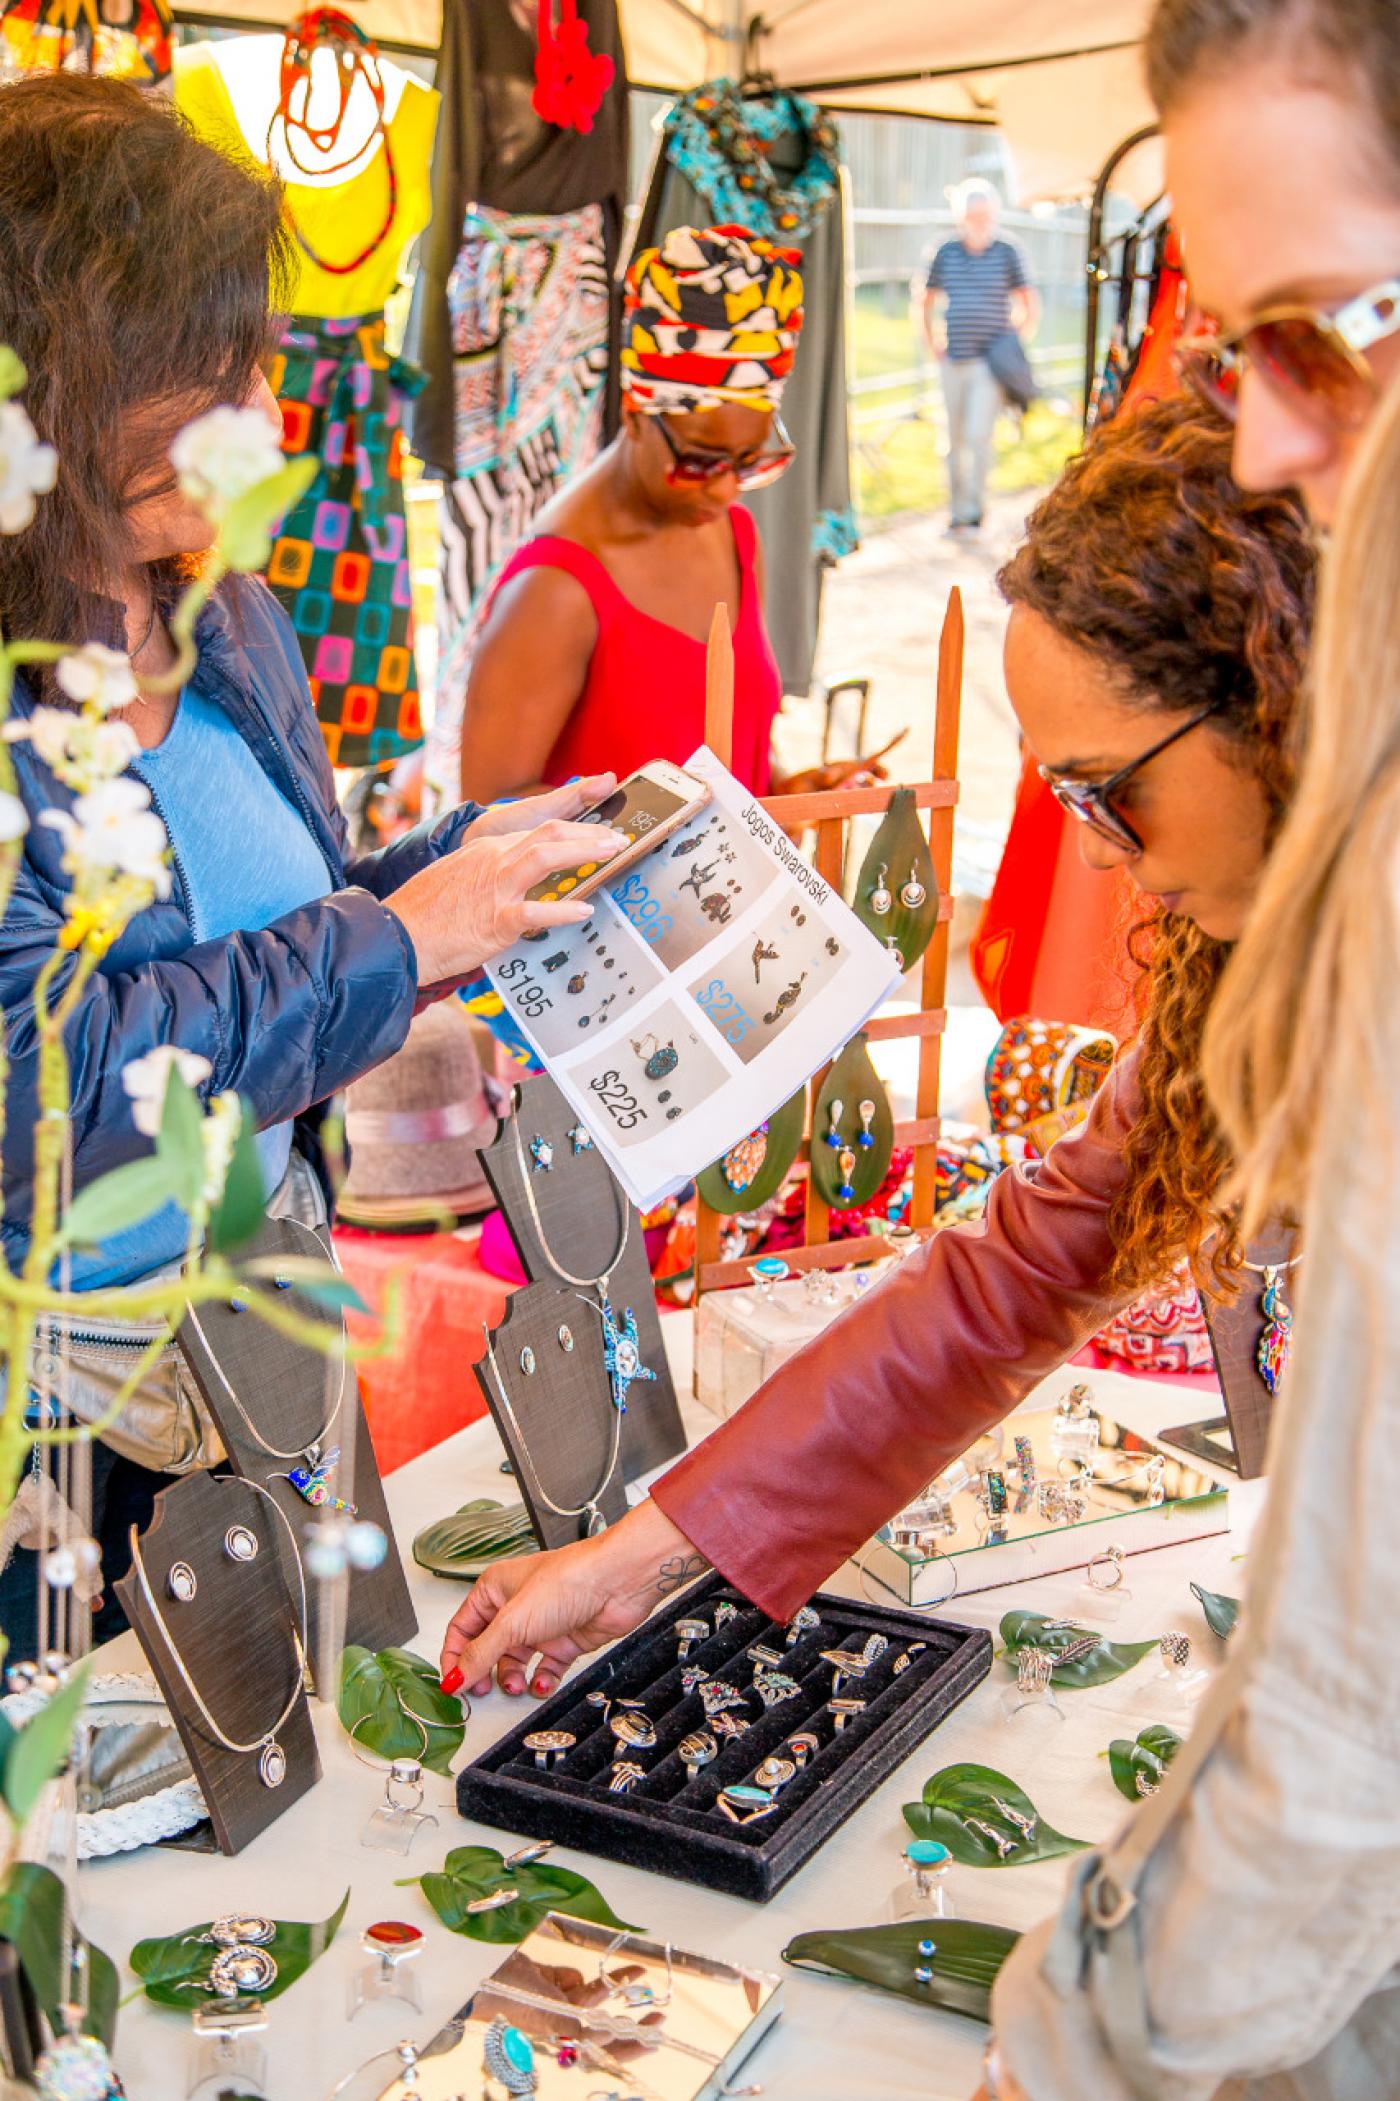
x=272 y=1759
x=310 y=1478
x=620 y=1347
x=1275 y=1342
x=588 y=1509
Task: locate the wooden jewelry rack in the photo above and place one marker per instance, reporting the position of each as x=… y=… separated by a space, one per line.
x=831 y=812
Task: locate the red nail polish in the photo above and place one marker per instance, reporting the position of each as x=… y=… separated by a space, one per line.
x=455 y=1680
x=542 y=1686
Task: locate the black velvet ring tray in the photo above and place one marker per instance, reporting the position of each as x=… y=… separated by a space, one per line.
x=672 y=1824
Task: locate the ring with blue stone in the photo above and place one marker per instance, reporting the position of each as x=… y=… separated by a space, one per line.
x=510 y=2058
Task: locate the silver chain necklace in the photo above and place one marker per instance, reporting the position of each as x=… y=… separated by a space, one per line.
x=312 y=1454
x=272 y=1762
x=589 y=1509
x=598 y=1283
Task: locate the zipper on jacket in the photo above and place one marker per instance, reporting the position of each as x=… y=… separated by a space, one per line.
x=186 y=894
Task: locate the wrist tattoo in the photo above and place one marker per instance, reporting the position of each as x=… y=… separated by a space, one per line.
x=676 y=1573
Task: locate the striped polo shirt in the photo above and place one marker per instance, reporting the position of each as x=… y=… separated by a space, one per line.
x=979 y=289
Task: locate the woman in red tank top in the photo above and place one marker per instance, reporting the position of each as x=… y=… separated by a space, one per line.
x=591 y=657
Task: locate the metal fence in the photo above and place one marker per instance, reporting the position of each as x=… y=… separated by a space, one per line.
x=900 y=172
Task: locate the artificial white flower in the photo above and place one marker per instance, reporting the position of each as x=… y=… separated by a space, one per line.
x=223 y=454
x=80 y=751
x=27 y=468
x=14 y=818
x=221 y=1127
x=112 y=830
x=145 y=1080
x=97 y=677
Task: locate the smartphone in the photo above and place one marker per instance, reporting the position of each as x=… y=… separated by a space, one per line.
x=648 y=806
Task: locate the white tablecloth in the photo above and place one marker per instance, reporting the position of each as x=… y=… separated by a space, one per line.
x=835 y=2041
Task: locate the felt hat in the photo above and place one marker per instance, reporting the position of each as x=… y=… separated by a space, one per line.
x=413 y=1127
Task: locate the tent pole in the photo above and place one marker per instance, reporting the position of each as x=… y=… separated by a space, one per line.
x=725 y=37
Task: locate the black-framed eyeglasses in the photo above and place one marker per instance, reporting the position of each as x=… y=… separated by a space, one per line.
x=693 y=469
x=1092 y=801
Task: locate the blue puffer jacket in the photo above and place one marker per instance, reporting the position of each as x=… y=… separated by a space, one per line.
x=285 y=1016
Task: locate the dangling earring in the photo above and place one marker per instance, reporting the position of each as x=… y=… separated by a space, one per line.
x=833 y=1136
x=867 y=1116
x=880 y=899
x=847 y=1164
x=912 y=893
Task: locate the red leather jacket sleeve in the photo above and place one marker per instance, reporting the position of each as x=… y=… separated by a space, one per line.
x=851 y=1428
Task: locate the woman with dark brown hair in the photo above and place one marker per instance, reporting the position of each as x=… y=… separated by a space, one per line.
x=1159 y=627
x=137 y=269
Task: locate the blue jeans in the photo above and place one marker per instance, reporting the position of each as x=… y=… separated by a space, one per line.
x=973 y=397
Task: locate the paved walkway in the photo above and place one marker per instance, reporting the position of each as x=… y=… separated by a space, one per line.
x=881 y=614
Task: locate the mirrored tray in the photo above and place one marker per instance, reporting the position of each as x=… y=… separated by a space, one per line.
x=605 y=2012
x=1137 y=1494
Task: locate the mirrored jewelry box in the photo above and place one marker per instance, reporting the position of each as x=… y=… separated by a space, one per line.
x=579 y=2009
x=1050 y=1490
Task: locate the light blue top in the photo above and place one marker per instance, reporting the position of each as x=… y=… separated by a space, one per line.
x=243 y=856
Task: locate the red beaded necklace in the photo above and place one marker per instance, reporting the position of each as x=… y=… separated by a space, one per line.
x=357 y=57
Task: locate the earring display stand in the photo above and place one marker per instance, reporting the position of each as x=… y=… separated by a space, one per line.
x=561 y=1429
x=583 y=1210
x=1238 y=1439
x=236 y=1641
x=831 y=813
x=671 y=1821
x=284 y=1395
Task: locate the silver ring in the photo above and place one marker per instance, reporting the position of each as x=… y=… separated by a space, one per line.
x=549 y=1746
x=696 y=1751
x=1106 y=1570
x=1176 y=1649
x=843 y=1710
x=624 y=1777
x=688 y=1632
x=1034 y=1670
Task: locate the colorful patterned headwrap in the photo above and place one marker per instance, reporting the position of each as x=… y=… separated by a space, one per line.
x=709 y=318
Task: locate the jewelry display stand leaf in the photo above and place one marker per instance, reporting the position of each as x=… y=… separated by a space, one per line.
x=852 y=1106
x=561 y=1426
x=670 y=1821
x=1238 y=1440
x=897 y=873
x=282 y=1388
x=948 y=1963
x=985 y=1819
x=583 y=1211
x=235 y=1639
x=756 y=1168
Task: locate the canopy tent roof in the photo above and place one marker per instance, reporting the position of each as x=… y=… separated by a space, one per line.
x=1061 y=78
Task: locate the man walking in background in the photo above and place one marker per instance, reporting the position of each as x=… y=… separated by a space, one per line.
x=980 y=282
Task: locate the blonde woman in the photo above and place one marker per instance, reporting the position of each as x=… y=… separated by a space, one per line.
x=1241 y=1937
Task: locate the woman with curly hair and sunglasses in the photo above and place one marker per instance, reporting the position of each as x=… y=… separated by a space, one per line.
x=593 y=638
x=1239 y=1935
x=1159 y=626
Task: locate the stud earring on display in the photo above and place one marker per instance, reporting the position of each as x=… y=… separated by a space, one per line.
x=542 y=1153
